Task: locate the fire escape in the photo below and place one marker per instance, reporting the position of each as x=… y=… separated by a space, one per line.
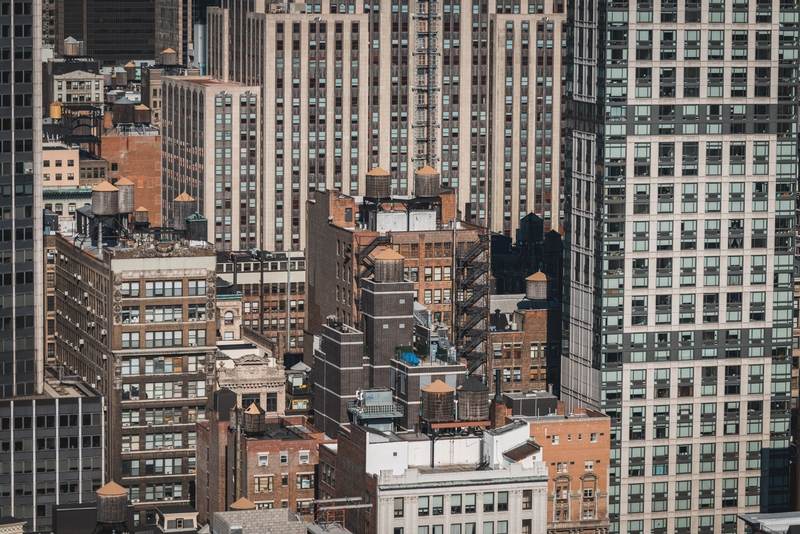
x=363 y=269
x=472 y=303
x=426 y=88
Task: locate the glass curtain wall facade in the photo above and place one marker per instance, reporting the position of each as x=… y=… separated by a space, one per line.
x=681 y=168
x=20 y=198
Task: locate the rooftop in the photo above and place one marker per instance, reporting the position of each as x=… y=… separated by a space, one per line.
x=779 y=523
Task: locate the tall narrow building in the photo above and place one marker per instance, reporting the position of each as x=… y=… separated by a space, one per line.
x=21 y=280
x=681 y=153
x=472 y=90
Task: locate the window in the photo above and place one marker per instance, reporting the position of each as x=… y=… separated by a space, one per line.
x=502 y=501
x=304 y=457
x=455 y=504
x=263 y=459
x=488 y=502
x=588 y=465
x=469 y=503
x=554 y=440
x=284 y=458
x=398 y=506
x=262 y=483
x=593 y=437
x=423 y=506
x=305 y=481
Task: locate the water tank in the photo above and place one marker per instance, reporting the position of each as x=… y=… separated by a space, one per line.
x=389 y=266
x=253 y=420
x=196 y=227
x=112 y=504
x=73 y=47
x=169 y=57
x=473 y=400
x=55 y=110
x=426 y=182
x=536 y=286
x=122 y=78
x=184 y=205
x=127 y=190
x=243 y=504
x=123 y=110
x=141 y=114
x=438 y=400
x=378 y=184
x=130 y=69
x=105 y=199
x=141 y=215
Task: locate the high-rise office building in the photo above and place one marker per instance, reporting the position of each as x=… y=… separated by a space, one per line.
x=112 y=32
x=211 y=150
x=680 y=203
x=136 y=318
x=471 y=90
x=21 y=200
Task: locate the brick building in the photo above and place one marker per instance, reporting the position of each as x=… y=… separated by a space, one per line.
x=345 y=233
x=576 y=451
x=135 y=153
x=137 y=320
x=525 y=337
x=278 y=463
x=415 y=485
x=262 y=280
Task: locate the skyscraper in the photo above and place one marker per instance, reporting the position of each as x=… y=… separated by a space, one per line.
x=21 y=199
x=350 y=86
x=112 y=32
x=681 y=153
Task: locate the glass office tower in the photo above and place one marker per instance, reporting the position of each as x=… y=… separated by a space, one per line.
x=681 y=170
x=20 y=198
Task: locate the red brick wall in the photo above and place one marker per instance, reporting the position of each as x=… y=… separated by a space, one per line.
x=138 y=159
x=574 y=449
x=210 y=480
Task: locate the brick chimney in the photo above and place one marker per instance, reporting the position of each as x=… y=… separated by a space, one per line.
x=498 y=408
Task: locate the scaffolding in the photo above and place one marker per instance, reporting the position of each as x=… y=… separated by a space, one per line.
x=426 y=86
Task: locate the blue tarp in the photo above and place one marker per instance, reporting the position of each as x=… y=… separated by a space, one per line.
x=410 y=357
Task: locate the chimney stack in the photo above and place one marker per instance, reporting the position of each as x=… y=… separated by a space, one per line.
x=498 y=409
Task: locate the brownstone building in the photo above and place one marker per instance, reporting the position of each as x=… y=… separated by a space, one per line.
x=278 y=462
x=135 y=153
x=576 y=449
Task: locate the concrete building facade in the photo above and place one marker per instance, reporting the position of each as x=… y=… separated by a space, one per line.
x=211 y=151
x=138 y=321
x=474 y=93
x=416 y=487
x=51 y=450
